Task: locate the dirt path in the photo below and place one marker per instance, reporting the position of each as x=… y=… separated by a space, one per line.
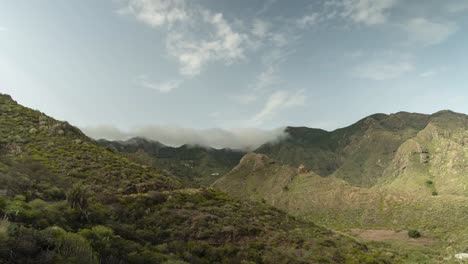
x=386 y=235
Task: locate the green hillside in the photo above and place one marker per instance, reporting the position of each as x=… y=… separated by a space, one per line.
x=364 y=153
x=340 y=205
x=386 y=172
x=65 y=199
x=194 y=165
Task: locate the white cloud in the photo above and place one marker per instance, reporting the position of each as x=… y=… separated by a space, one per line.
x=216 y=39
x=224 y=44
x=163 y=87
x=244 y=99
x=379 y=71
x=279 y=100
x=422 y=31
x=457 y=7
x=3 y=29
x=266 y=78
x=266 y=6
x=157 y=12
x=308 y=20
x=236 y=138
x=428 y=73
x=260 y=28
x=369 y=12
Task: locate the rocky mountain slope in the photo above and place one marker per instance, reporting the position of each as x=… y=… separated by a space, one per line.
x=65 y=199
x=195 y=165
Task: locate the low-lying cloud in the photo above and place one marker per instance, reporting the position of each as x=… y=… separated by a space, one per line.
x=242 y=138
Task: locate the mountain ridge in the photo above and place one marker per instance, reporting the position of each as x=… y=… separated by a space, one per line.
x=197 y=165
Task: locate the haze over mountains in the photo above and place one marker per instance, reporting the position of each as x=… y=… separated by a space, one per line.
x=242 y=138
x=361 y=154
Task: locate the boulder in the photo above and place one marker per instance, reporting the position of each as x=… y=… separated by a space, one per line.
x=461 y=256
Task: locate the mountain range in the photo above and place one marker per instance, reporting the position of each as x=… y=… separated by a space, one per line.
x=67 y=198
x=195 y=165
x=386 y=172
x=400 y=171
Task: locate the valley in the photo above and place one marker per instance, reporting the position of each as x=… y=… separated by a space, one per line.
x=374 y=180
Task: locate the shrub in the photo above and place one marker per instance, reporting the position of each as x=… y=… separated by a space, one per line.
x=434 y=193
x=414 y=233
x=54 y=194
x=78 y=199
x=70 y=247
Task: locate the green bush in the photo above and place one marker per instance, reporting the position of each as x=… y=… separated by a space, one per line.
x=414 y=233
x=70 y=247
x=54 y=194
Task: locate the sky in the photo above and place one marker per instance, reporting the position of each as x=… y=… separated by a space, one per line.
x=231 y=73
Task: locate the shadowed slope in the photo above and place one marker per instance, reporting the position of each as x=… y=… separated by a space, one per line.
x=195 y=165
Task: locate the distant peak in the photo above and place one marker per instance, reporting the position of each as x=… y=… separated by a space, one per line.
x=299 y=131
x=142 y=140
x=445 y=112
x=378 y=116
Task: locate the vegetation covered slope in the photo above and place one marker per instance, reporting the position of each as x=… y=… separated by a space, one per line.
x=364 y=154
x=64 y=199
x=435 y=160
x=337 y=204
x=195 y=165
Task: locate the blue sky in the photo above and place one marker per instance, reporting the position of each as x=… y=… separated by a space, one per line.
x=163 y=67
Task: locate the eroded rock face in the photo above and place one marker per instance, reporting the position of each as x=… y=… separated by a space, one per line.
x=61 y=129
x=260 y=161
x=303 y=169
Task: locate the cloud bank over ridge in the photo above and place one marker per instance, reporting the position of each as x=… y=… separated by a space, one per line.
x=236 y=138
